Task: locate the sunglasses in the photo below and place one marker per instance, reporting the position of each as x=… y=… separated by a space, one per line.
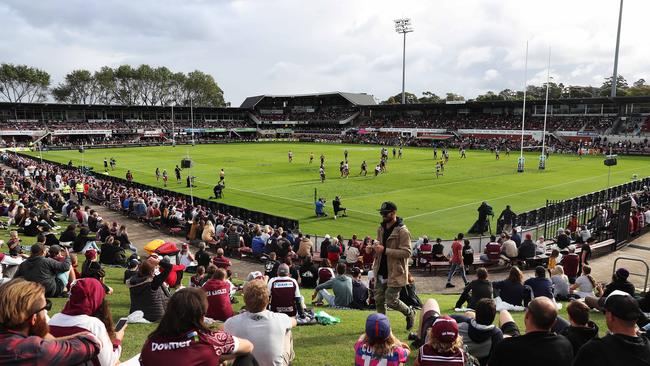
x=48 y=307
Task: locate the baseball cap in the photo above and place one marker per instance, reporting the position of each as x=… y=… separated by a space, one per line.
x=254 y=275
x=445 y=329
x=387 y=206
x=622 y=273
x=283 y=269
x=622 y=305
x=90 y=254
x=377 y=326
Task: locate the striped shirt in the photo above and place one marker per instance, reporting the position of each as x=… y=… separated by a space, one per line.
x=428 y=357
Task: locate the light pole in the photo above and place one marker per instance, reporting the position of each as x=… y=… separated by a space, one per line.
x=618 y=41
x=403 y=26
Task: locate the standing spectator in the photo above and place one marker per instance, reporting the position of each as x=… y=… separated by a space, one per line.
x=378 y=344
x=456 y=261
x=217 y=290
x=511 y=290
x=341 y=285
x=570 y=263
x=186 y=340
x=88 y=310
x=285 y=293
x=390 y=266
x=585 y=253
x=623 y=345
x=37 y=268
x=539 y=285
x=270 y=332
x=508 y=217
x=468 y=254
x=539 y=346
x=480 y=288
x=324 y=245
x=24 y=332
x=581 y=329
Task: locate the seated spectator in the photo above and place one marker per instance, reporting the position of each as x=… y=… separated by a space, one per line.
x=69 y=235
x=270 y=332
x=217 y=289
x=87 y=309
x=509 y=248
x=622 y=345
x=271 y=266
x=359 y=290
x=61 y=255
x=285 y=293
x=527 y=248
x=468 y=254
x=511 y=290
x=562 y=241
x=539 y=346
x=619 y=282
x=193 y=342
x=352 y=256
x=197 y=280
x=325 y=272
x=220 y=260
x=234 y=241
x=479 y=335
x=554 y=259
x=202 y=256
x=581 y=329
x=308 y=273
x=334 y=251
x=131 y=269
x=478 y=289
x=341 y=285
x=122 y=236
x=538 y=285
x=560 y=283
x=31 y=226
x=93 y=269
x=209 y=234
x=540 y=246
x=492 y=251
x=257 y=244
x=146 y=289
x=24 y=333
x=82 y=242
x=437 y=251
x=570 y=263
x=305 y=247
x=443 y=345
x=37 y=268
x=583 y=235
x=112 y=253
x=584 y=285
x=187 y=259
x=378 y=343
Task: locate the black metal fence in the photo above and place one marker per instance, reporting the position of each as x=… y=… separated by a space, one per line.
x=239 y=213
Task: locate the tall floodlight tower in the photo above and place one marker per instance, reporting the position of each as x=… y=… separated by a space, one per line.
x=521 y=160
x=403 y=26
x=618 y=41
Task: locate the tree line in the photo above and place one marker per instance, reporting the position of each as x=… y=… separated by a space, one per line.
x=123 y=85
x=534 y=92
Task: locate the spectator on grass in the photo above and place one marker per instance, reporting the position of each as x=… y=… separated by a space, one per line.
x=25 y=338
x=88 y=310
x=478 y=289
x=560 y=284
x=202 y=256
x=217 y=289
x=37 y=268
x=341 y=285
x=68 y=235
x=122 y=236
x=82 y=242
x=186 y=340
x=623 y=345
x=147 y=290
x=443 y=346
x=271 y=266
x=112 y=253
x=581 y=329
x=479 y=334
x=220 y=261
x=325 y=271
x=359 y=290
x=270 y=332
x=539 y=346
x=379 y=345
x=197 y=280
x=538 y=286
x=511 y=290
x=131 y=269
x=305 y=247
x=308 y=273
x=93 y=269
x=584 y=285
x=285 y=293
x=187 y=259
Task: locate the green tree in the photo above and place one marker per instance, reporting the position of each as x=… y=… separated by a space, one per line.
x=107 y=87
x=454 y=97
x=79 y=87
x=639 y=88
x=429 y=97
x=21 y=83
x=508 y=94
x=202 y=90
x=489 y=96
x=397 y=99
x=621 y=86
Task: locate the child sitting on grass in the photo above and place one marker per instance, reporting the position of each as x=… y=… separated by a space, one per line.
x=378 y=346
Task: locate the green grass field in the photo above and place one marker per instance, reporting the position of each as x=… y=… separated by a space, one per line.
x=259 y=177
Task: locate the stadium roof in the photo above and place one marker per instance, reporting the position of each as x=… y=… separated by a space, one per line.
x=360 y=99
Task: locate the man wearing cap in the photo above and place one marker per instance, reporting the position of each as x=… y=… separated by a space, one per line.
x=390 y=264
x=539 y=346
x=622 y=346
x=285 y=293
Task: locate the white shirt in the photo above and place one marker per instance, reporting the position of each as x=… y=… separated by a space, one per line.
x=266 y=330
x=107 y=356
x=352 y=254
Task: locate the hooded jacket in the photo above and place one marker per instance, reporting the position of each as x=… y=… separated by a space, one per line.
x=479 y=339
x=43 y=270
x=578 y=336
x=397 y=250
x=614 y=349
x=147 y=293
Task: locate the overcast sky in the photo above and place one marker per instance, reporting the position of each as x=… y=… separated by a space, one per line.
x=256 y=47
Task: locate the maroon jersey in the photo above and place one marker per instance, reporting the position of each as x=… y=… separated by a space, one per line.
x=324 y=274
x=284 y=291
x=219 y=306
x=570 y=263
x=221 y=262
x=493 y=250
x=190 y=349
